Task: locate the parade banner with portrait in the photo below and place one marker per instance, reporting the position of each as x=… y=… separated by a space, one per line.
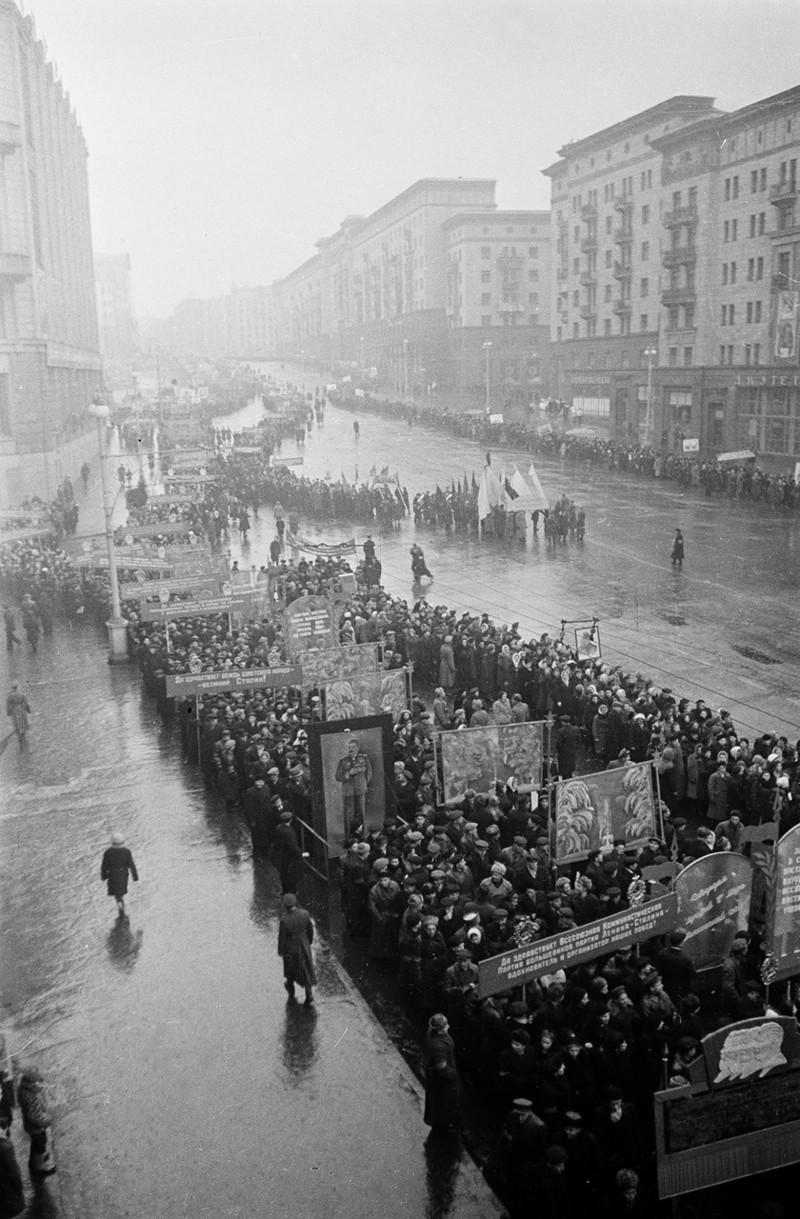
x=785 y=906
x=786 y=311
x=587 y=643
x=324 y=665
x=308 y=623
x=593 y=811
x=713 y=904
x=351 y=777
x=478 y=758
x=371 y=694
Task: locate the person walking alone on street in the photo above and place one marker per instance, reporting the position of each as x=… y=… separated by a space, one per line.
x=18 y=708
x=116 y=865
x=677 y=549
x=295 y=937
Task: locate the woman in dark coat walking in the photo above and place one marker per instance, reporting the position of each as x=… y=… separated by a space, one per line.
x=117 y=864
x=442 y=1085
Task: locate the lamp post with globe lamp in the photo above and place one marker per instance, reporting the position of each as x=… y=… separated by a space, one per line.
x=116 y=625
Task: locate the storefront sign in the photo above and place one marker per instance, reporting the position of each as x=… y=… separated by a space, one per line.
x=579 y=944
x=713 y=904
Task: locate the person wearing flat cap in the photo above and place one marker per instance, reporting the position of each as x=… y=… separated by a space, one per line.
x=295 y=937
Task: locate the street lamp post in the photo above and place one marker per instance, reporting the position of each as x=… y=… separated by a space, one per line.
x=487 y=347
x=116 y=625
x=651 y=354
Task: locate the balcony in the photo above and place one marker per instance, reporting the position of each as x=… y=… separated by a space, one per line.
x=681 y=215
x=14 y=266
x=679 y=296
x=623 y=205
x=621 y=306
x=781 y=282
x=588 y=211
x=622 y=270
x=588 y=312
x=588 y=278
x=623 y=235
x=783 y=192
x=588 y=245
x=676 y=255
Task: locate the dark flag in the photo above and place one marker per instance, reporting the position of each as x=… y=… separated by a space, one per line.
x=488 y=457
x=510 y=492
x=474 y=484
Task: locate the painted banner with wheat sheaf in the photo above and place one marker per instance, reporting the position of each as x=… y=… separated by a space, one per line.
x=595 y=811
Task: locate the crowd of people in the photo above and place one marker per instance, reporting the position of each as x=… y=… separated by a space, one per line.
x=735 y=479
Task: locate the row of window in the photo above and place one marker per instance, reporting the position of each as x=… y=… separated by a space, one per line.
x=511 y=319
x=755 y=270
x=758 y=179
x=533 y=298
x=751 y=353
x=752 y=313
x=533 y=276
x=510 y=252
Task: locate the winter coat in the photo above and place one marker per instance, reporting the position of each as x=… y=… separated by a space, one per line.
x=116 y=864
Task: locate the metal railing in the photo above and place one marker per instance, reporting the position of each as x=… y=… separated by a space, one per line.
x=319 y=853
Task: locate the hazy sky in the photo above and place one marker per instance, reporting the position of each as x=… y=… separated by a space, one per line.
x=226 y=136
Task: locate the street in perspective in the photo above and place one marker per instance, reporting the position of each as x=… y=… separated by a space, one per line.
x=400 y=781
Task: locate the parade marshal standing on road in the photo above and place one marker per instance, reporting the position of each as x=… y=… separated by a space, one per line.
x=354 y=772
x=117 y=863
x=295 y=937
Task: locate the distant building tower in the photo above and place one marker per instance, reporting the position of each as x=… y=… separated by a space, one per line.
x=50 y=364
x=119 y=343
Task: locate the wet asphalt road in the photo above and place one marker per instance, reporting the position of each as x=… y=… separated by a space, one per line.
x=724 y=628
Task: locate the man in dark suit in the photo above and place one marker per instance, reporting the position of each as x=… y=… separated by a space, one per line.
x=295 y=937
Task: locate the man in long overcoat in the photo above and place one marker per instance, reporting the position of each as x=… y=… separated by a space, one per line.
x=286 y=853
x=117 y=864
x=295 y=937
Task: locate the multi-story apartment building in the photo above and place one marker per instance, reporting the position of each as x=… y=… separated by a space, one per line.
x=249 y=322
x=498 y=304
x=607 y=233
x=381 y=292
x=729 y=369
x=119 y=343
x=50 y=364
x=677 y=282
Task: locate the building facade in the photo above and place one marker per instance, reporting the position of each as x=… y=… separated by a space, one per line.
x=675 y=294
x=50 y=364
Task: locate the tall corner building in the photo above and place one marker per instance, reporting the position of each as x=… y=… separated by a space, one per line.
x=676 y=286
x=50 y=364
x=119 y=340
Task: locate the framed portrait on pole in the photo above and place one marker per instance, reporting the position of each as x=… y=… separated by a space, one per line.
x=351 y=776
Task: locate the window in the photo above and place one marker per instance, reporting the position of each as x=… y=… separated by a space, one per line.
x=577 y=234
x=756 y=353
x=724 y=315
x=533 y=298
x=486 y=277
x=486 y=251
x=735 y=185
x=643 y=322
x=753 y=181
x=688 y=356
x=759 y=268
x=753 y=225
x=646 y=214
x=645 y=251
x=644 y=180
x=644 y=287
x=673 y=318
x=733 y=272
x=731 y=313
x=608 y=258
x=486 y=298
x=607 y=292
x=726 y=231
x=762 y=222
x=757 y=312
x=673 y=357
x=751 y=267
x=607 y=326
x=724 y=272
x=576 y=265
x=730 y=353
x=486 y=320
x=576 y=298
x=722 y=353
x=749 y=313
x=747 y=353
x=575 y=330
x=609 y=223
x=533 y=251
x=763 y=179
x=727 y=189
x=688 y=317
x=533 y=276
x=734 y=229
